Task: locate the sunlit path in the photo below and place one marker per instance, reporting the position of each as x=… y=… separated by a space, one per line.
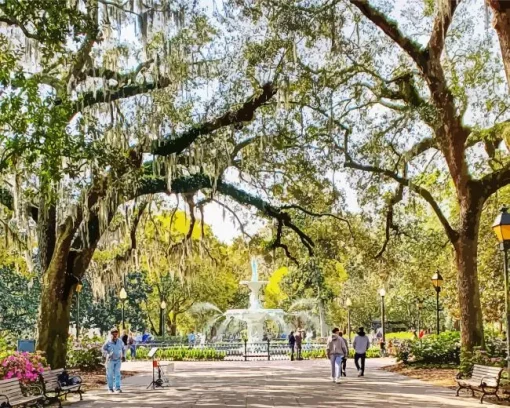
x=278 y=385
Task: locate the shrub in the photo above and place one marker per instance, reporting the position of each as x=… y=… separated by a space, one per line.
x=183 y=354
x=5 y=348
x=86 y=355
x=404 y=351
x=24 y=366
x=436 y=349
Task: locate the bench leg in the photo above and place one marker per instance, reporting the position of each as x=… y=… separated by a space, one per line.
x=458 y=390
x=483 y=396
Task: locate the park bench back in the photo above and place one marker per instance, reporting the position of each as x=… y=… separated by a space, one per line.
x=12 y=389
x=50 y=380
x=490 y=376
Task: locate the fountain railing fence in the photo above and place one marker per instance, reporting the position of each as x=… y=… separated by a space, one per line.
x=231 y=351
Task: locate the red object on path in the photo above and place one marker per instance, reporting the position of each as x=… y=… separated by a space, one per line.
x=154 y=363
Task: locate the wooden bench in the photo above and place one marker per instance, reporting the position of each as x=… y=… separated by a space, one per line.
x=483 y=379
x=13 y=394
x=53 y=390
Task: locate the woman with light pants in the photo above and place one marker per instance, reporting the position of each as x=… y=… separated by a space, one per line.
x=336 y=350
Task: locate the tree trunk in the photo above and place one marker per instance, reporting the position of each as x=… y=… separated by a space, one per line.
x=501 y=23
x=173 y=329
x=54 y=316
x=466 y=246
x=56 y=295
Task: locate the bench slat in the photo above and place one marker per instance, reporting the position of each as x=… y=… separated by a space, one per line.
x=486 y=369
x=12 y=388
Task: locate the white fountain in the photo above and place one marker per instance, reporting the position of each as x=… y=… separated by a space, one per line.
x=255 y=315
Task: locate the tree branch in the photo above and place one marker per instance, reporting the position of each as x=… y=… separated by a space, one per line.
x=170 y=145
x=16 y=23
x=122 y=79
x=101 y=96
x=494 y=181
x=390 y=225
x=423 y=192
x=314 y=214
x=441 y=25
x=241 y=225
x=390 y=28
x=191 y=184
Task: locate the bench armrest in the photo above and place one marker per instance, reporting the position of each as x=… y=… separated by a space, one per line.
x=6 y=397
x=459 y=376
x=484 y=384
x=34 y=387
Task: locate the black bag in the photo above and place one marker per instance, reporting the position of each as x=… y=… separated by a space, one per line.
x=63 y=379
x=5 y=404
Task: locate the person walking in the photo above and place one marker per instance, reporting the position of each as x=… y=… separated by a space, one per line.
x=115 y=352
x=131 y=343
x=361 y=345
x=346 y=356
x=292 y=344
x=299 y=344
x=335 y=351
x=191 y=339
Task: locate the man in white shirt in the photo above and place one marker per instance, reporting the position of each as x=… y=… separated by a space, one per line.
x=361 y=345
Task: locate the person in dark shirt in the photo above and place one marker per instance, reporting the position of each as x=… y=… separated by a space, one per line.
x=292 y=344
x=124 y=337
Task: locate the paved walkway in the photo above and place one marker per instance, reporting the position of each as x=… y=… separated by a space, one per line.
x=278 y=384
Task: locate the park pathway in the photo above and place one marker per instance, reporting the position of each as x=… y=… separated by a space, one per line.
x=278 y=384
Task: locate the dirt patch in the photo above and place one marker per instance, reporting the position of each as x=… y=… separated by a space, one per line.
x=443 y=377
x=97 y=379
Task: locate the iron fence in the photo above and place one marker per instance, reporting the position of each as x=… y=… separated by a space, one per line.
x=230 y=351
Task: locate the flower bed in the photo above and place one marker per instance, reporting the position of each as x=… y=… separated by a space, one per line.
x=24 y=366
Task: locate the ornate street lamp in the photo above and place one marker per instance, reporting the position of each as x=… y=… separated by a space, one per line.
x=437 y=282
x=123 y=298
x=79 y=287
x=348 y=304
x=163 y=307
x=501 y=228
x=382 y=293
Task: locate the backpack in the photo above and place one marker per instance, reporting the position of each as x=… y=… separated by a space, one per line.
x=5 y=405
x=74 y=381
x=63 y=378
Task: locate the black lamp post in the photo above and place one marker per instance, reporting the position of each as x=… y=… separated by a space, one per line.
x=501 y=227
x=123 y=298
x=163 y=307
x=348 y=304
x=382 y=293
x=419 y=305
x=79 y=287
x=437 y=282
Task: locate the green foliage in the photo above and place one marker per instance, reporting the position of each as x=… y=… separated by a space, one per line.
x=433 y=349
x=20 y=300
x=372 y=352
x=85 y=355
x=5 y=348
x=400 y=336
x=183 y=354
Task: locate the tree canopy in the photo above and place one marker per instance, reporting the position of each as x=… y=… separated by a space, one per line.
x=110 y=109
